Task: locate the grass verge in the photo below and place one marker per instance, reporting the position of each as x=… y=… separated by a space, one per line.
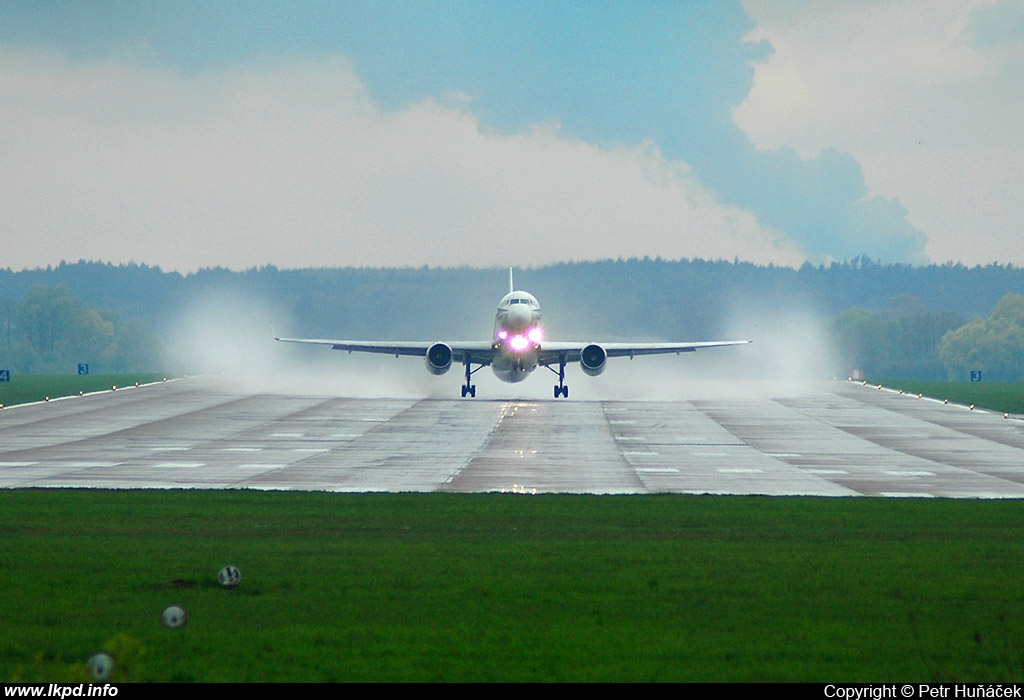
x=28 y=388
x=441 y=587
x=1004 y=397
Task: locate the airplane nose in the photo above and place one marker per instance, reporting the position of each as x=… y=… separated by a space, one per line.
x=519 y=317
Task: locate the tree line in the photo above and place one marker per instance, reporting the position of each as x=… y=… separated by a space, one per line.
x=936 y=321
x=993 y=346
x=49 y=331
x=906 y=340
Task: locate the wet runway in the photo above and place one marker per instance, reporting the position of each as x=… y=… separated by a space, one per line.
x=834 y=439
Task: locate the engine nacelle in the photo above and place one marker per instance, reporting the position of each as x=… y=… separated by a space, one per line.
x=438 y=358
x=592 y=360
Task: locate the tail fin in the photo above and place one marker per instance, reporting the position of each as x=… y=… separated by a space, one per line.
x=511 y=287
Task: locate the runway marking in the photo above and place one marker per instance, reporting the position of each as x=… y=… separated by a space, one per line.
x=538 y=446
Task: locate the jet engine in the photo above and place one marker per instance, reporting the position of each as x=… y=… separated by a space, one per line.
x=592 y=360
x=438 y=358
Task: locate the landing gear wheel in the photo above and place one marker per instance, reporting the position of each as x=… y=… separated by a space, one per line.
x=470 y=390
x=561 y=391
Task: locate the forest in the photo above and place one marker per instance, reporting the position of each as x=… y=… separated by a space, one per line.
x=898 y=321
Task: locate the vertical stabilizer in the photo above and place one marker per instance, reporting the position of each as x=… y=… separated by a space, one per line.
x=511 y=287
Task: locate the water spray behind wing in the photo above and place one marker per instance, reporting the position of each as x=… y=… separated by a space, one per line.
x=227 y=335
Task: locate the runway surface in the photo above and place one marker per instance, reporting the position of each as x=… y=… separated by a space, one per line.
x=835 y=439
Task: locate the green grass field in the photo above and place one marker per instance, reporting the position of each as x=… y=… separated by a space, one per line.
x=27 y=388
x=1005 y=397
x=439 y=587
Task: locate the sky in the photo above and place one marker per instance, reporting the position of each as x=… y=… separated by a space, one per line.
x=199 y=133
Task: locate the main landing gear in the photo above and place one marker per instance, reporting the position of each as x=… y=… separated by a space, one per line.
x=560 y=389
x=467 y=388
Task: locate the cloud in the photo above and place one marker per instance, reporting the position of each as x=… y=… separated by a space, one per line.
x=925 y=96
x=610 y=74
x=293 y=163
x=824 y=205
x=813 y=129
x=998 y=25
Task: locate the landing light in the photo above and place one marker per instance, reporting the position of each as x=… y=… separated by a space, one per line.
x=519 y=343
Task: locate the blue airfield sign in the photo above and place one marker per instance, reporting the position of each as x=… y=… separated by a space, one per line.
x=83 y=368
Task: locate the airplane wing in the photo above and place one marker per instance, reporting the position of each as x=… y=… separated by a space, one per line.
x=479 y=352
x=476 y=352
x=570 y=351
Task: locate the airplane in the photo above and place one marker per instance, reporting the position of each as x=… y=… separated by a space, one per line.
x=516 y=348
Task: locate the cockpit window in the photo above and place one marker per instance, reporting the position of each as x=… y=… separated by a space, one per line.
x=509 y=301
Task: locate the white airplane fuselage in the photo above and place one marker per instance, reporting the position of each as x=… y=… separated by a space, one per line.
x=517 y=337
